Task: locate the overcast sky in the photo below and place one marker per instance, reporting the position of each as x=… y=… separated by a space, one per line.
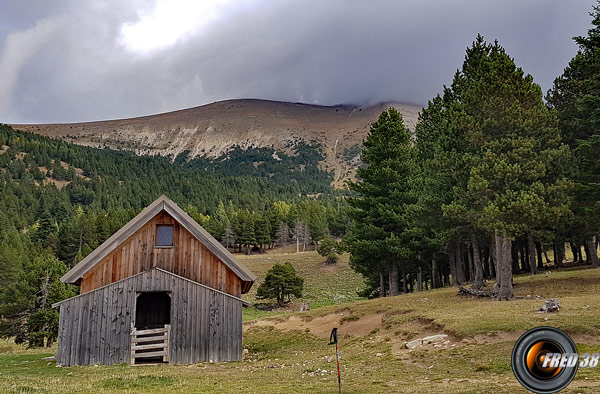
x=73 y=60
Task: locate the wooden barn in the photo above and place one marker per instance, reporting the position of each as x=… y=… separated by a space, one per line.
x=161 y=289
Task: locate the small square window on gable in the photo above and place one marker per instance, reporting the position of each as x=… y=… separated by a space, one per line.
x=164 y=235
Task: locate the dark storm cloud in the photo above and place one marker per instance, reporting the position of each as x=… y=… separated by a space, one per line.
x=68 y=60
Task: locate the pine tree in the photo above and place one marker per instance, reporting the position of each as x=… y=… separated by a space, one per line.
x=317 y=223
x=262 y=232
x=228 y=238
x=377 y=237
x=281 y=282
x=15 y=250
x=102 y=228
x=436 y=149
x=516 y=183
x=330 y=249
x=219 y=222
x=46 y=229
x=576 y=97
x=27 y=305
x=244 y=230
x=60 y=211
x=58 y=171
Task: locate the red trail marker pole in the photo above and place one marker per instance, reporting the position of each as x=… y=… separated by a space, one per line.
x=333 y=340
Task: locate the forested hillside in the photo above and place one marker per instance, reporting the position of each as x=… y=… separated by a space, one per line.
x=225 y=128
x=59 y=201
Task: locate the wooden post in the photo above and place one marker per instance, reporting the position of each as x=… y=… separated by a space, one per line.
x=132 y=362
x=166 y=344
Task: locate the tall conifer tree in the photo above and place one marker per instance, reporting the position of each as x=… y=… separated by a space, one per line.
x=576 y=97
x=516 y=182
x=377 y=238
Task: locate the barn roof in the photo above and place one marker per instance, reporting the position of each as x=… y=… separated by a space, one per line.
x=163 y=203
x=146 y=274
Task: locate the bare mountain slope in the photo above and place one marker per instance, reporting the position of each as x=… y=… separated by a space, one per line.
x=211 y=130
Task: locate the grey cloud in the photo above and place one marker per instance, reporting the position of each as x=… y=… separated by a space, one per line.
x=66 y=63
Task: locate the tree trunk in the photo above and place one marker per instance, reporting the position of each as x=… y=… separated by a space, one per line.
x=460 y=264
x=381 y=285
x=435 y=278
x=514 y=252
x=452 y=264
x=574 y=250
x=486 y=263
x=540 y=260
x=404 y=288
x=45 y=291
x=394 y=280
x=496 y=250
x=471 y=265
x=592 y=252
x=504 y=266
x=521 y=256
x=446 y=279
x=560 y=254
x=525 y=255
x=420 y=279
x=532 y=253
x=478 y=279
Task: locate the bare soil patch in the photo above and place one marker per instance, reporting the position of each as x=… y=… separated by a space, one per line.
x=59 y=183
x=321 y=326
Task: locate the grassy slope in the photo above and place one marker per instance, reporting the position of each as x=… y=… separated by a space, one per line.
x=323 y=285
x=291 y=361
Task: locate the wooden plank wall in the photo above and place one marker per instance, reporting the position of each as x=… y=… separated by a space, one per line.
x=187 y=258
x=95 y=328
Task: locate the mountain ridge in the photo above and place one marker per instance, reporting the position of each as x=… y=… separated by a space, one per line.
x=214 y=129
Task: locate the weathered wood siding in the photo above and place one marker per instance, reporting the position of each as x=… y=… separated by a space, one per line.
x=95 y=328
x=187 y=258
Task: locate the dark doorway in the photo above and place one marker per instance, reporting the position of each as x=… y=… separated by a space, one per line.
x=152 y=310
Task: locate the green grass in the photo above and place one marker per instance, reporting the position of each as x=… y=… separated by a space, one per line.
x=578 y=291
x=293 y=361
x=323 y=284
x=288 y=362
